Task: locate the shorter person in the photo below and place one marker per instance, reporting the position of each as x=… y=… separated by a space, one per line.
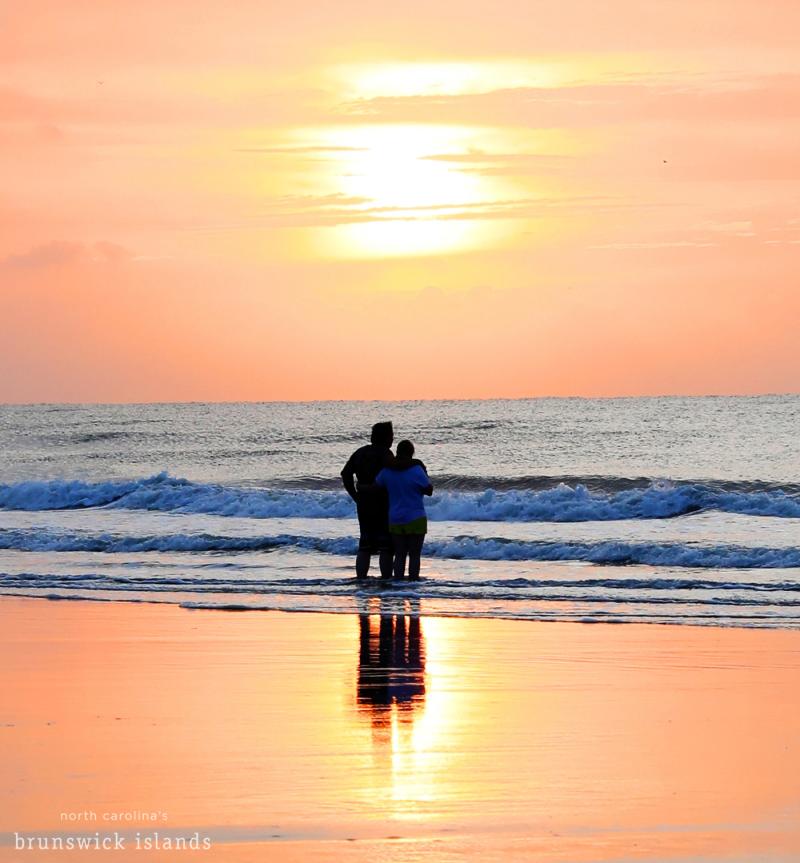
x=372 y=505
x=408 y=523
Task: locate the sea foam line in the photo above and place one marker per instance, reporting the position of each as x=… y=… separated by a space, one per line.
x=563 y=503
x=459 y=548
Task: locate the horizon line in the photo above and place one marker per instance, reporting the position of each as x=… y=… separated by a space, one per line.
x=166 y=402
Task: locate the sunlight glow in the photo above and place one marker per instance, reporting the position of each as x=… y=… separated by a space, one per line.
x=387 y=164
x=406 y=202
x=397 y=238
x=420 y=78
x=419 y=757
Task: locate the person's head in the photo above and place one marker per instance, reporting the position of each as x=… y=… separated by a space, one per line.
x=405 y=449
x=382 y=434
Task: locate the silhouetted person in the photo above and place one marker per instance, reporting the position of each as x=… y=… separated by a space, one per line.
x=372 y=503
x=408 y=522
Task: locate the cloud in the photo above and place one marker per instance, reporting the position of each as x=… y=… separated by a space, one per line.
x=301 y=151
x=741 y=237
x=332 y=210
x=314 y=202
x=703 y=99
x=504 y=164
x=480 y=158
x=154 y=102
x=47 y=255
x=59 y=252
x=666 y=244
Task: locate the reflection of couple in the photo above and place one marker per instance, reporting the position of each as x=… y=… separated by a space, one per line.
x=388 y=490
x=391 y=667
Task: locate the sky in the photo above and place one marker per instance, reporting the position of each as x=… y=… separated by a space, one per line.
x=215 y=201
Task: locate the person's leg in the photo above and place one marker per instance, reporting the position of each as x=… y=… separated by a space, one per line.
x=400 y=552
x=415 y=542
x=385 y=560
x=368 y=537
x=362 y=563
x=385 y=541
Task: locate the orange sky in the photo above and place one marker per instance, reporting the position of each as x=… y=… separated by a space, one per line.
x=213 y=201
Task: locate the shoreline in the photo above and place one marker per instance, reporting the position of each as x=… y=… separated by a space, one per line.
x=312 y=736
x=773 y=625
x=317 y=736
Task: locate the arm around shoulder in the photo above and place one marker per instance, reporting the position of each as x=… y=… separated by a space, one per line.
x=348 y=480
x=425 y=484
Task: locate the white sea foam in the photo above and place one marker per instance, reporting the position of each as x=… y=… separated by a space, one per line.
x=562 y=503
x=459 y=548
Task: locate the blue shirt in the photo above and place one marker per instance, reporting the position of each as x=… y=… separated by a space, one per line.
x=405 y=489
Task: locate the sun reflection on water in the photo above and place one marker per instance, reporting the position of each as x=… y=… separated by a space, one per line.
x=408 y=717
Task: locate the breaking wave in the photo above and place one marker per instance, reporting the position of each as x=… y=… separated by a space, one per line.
x=558 y=503
x=459 y=548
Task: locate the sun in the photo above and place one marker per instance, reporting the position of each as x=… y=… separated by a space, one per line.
x=408 y=199
x=384 y=189
x=393 y=165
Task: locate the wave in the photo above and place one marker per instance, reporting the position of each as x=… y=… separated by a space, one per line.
x=561 y=503
x=619 y=553
x=164 y=493
x=603 y=484
x=454 y=587
x=460 y=548
x=618 y=600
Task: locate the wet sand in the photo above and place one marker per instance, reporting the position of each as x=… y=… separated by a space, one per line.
x=310 y=737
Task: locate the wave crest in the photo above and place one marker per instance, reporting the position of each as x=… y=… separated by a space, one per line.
x=561 y=503
x=459 y=548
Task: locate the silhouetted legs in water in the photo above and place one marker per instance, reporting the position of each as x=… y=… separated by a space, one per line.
x=384 y=561
x=407 y=545
x=373 y=527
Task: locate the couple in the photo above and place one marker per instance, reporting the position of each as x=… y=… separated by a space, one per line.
x=388 y=492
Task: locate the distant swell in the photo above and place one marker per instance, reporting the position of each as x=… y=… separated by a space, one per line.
x=459 y=548
x=557 y=503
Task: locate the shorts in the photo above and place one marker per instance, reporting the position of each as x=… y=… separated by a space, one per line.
x=413 y=528
x=373 y=525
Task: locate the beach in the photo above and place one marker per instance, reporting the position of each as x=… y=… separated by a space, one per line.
x=297 y=736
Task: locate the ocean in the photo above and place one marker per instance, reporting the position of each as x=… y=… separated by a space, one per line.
x=645 y=510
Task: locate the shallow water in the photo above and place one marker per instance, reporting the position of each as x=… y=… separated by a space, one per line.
x=648 y=510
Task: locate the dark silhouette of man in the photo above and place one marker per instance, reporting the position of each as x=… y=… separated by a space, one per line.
x=372 y=503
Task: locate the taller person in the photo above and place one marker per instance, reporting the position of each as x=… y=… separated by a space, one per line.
x=372 y=503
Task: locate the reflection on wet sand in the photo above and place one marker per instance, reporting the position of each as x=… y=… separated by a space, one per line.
x=391 y=665
x=390 y=694
x=309 y=738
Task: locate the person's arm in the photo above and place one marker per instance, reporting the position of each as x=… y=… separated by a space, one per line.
x=348 y=480
x=380 y=482
x=395 y=463
x=423 y=479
